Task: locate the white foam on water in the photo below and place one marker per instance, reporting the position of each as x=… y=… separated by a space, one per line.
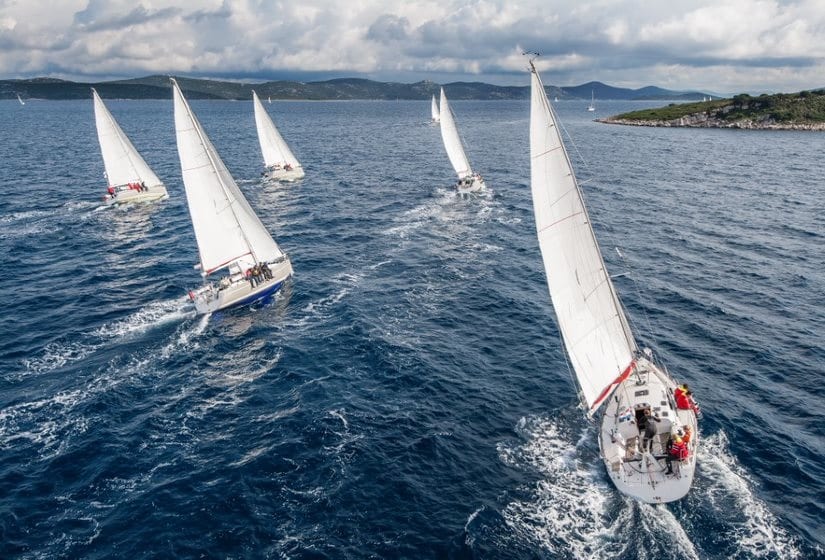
x=44 y=422
x=729 y=490
x=150 y=316
x=659 y=520
x=58 y=354
x=568 y=514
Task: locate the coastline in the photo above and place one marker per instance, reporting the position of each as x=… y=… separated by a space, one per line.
x=703 y=121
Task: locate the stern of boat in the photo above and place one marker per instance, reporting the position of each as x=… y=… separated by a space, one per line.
x=638 y=471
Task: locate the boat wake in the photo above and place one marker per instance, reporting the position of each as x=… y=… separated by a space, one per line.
x=68 y=350
x=728 y=492
x=574 y=512
x=568 y=512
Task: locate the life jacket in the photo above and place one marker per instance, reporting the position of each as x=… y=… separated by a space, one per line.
x=686 y=436
x=679 y=450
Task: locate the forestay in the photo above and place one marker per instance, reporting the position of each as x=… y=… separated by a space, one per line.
x=275 y=150
x=594 y=328
x=226 y=227
x=121 y=160
x=452 y=141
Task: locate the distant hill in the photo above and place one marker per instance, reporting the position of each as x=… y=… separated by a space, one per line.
x=157 y=87
x=798 y=111
x=604 y=91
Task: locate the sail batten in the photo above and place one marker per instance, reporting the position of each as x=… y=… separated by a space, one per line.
x=593 y=325
x=226 y=227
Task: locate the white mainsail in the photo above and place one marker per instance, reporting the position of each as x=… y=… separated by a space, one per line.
x=452 y=141
x=121 y=160
x=641 y=424
x=590 y=317
x=274 y=148
x=436 y=115
x=226 y=228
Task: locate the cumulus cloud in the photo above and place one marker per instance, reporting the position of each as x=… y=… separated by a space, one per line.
x=703 y=44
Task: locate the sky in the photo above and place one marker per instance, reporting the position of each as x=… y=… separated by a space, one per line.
x=724 y=46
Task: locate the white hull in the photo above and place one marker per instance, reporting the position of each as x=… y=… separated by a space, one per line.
x=238 y=290
x=471 y=184
x=285 y=174
x=634 y=471
x=130 y=196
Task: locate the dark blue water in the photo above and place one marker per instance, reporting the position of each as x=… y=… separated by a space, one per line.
x=406 y=396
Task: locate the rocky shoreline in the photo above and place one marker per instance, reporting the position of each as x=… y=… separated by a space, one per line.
x=702 y=120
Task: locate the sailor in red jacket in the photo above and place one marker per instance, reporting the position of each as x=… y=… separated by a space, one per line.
x=678 y=451
x=684 y=399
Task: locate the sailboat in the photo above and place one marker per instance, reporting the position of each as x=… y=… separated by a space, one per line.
x=20 y=99
x=281 y=164
x=467 y=180
x=231 y=238
x=130 y=178
x=592 y=106
x=436 y=115
x=615 y=378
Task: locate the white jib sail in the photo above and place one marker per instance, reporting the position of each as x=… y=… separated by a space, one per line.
x=452 y=142
x=226 y=227
x=121 y=160
x=273 y=146
x=434 y=110
x=594 y=328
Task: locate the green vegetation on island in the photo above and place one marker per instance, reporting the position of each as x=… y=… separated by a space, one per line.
x=803 y=110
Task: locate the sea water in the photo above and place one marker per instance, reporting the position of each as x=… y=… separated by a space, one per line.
x=406 y=395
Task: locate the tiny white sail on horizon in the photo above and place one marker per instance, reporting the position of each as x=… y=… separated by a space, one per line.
x=280 y=162
x=612 y=375
x=592 y=106
x=20 y=99
x=228 y=232
x=467 y=180
x=434 y=111
x=129 y=176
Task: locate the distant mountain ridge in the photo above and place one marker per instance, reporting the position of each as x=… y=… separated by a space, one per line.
x=158 y=87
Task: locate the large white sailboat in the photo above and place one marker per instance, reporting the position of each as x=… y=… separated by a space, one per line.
x=281 y=163
x=130 y=177
x=231 y=238
x=468 y=181
x=615 y=378
x=434 y=112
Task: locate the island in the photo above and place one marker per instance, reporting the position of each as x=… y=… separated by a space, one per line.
x=782 y=111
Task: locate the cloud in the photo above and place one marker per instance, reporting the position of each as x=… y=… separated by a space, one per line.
x=690 y=44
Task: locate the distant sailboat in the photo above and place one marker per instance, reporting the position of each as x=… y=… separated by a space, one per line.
x=279 y=160
x=436 y=115
x=228 y=232
x=20 y=99
x=467 y=180
x=269 y=100
x=612 y=373
x=130 y=177
x=592 y=106
x=556 y=99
